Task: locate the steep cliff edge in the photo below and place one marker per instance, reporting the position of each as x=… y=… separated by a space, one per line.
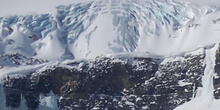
x=112 y=54
x=114 y=82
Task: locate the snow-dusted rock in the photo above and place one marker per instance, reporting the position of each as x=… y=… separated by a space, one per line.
x=135 y=54
x=112 y=82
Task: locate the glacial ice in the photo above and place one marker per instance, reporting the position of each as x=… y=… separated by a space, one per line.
x=161 y=28
x=87 y=30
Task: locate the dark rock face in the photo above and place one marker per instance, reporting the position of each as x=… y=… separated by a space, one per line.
x=17 y=59
x=13 y=98
x=112 y=83
x=107 y=85
x=21 y=86
x=216 y=79
x=178 y=80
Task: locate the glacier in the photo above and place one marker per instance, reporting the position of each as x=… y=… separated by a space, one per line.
x=162 y=28
x=167 y=30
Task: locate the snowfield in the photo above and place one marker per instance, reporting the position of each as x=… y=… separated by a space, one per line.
x=163 y=28
x=55 y=31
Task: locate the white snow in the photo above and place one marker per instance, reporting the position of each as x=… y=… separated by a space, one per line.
x=48 y=102
x=204 y=2
x=20 y=71
x=52 y=49
x=25 y=7
x=129 y=27
x=201 y=103
x=182 y=83
x=87 y=30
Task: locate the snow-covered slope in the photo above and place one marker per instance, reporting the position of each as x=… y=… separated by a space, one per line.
x=163 y=29
x=87 y=30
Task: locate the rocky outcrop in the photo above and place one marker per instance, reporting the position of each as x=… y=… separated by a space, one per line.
x=112 y=83
x=216 y=79
x=18 y=59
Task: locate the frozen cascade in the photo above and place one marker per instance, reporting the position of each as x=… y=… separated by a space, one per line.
x=204 y=99
x=157 y=28
x=207 y=79
x=48 y=102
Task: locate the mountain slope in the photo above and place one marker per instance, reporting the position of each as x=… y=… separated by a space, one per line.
x=157 y=27
x=116 y=82
x=112 y=54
